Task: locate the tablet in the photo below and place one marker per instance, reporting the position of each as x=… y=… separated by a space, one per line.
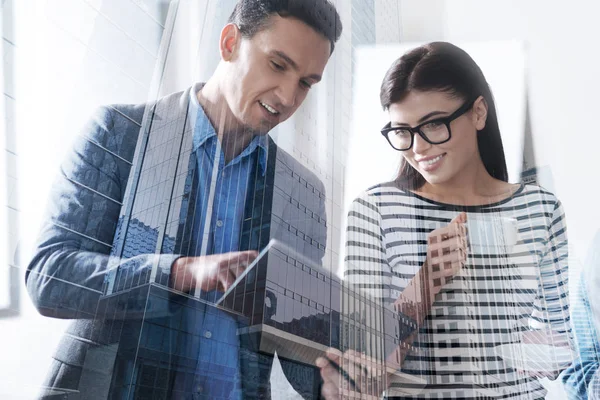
x=249 y=268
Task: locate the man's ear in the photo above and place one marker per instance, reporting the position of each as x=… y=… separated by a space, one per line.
x=480 y=113
x=229 y=42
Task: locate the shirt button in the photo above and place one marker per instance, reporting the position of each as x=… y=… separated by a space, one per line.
x=219 y=223
x=207 y=334
x=199 y=389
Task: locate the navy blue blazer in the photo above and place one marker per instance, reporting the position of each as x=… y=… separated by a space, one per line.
x=89 y=243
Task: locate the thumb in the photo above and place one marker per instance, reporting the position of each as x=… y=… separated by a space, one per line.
x=460 y=218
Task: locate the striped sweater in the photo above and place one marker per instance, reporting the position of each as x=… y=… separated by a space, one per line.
x=499 y=293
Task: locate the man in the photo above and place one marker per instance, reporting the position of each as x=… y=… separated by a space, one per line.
x=182 y=193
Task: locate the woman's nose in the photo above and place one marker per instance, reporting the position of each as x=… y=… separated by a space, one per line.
x=419 y=144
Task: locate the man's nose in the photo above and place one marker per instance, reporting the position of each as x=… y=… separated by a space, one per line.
x=286 y=94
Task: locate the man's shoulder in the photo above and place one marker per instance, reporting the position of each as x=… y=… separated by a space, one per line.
x=296 y=169
x=116 y=127
x=161 y=108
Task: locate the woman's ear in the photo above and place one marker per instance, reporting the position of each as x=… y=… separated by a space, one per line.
x=480 y=112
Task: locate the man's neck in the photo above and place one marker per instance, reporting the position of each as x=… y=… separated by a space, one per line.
x=234 y=138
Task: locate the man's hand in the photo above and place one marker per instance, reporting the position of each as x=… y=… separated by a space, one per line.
x=363 y=380
x=214 y=272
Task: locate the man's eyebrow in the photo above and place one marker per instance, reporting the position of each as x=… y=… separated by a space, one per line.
x=424 y=118
x=287 y=59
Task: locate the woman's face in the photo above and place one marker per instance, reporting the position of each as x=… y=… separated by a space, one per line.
x=441 y=163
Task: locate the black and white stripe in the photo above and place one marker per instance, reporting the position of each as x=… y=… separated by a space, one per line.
x=497 y=294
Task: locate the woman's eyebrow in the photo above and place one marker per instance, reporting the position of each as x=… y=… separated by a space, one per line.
x=422 y=119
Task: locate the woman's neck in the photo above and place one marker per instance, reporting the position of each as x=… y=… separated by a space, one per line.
x=475 y=188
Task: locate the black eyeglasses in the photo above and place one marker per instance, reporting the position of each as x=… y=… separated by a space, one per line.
x=435 y=131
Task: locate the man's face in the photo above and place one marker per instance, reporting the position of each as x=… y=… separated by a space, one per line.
x=270 y=74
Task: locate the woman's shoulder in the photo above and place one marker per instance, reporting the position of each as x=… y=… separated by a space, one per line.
x=381 y=191
x=533 y=190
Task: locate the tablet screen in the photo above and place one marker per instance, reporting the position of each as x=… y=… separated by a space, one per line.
x=249 y=268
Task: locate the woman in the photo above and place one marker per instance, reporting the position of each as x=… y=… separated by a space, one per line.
x=409 y=241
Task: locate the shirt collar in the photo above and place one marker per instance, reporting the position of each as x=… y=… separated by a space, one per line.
x=204 y=130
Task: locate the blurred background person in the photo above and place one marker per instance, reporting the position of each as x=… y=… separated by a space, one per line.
x=582 y=379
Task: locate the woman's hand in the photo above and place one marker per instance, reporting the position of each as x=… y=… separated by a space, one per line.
x=446 y=255
x=446 y=252
x=549 y=338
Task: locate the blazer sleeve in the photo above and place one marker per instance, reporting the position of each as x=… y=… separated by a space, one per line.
x=72 y=257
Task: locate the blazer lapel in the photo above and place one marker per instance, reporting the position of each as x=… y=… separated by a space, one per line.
x=256 y=223
x=187 y=209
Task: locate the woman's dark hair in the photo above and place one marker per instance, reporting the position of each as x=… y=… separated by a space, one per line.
x=443 y=67
x=252 y=16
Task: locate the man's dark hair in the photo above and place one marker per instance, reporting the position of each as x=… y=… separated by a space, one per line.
x=252 y=16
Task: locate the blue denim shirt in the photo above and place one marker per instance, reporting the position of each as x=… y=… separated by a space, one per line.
x=227 y=183
x=217 y=221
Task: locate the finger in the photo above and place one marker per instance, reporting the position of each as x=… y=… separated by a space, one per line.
x=226 y=278
x=353 y=356
x=444 y=260
x=356 y=360
x=244 y=256
x=328 y=371
x=457 y=229
x=372 y=367
x=446 y=272
x=354 y=365
x=445 y=233
x=236 y=259
x=241 y=260
x=330 y=391
x=237 y=268
x=334 y=354
x=350 y=374
x=447 y=246
x=460 y=218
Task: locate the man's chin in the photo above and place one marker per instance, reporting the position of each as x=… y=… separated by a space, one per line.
x=264 y=127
